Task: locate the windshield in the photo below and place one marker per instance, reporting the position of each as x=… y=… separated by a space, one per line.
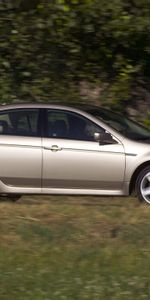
x=127 y=127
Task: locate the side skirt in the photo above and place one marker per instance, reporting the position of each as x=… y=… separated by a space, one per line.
x=6 y=189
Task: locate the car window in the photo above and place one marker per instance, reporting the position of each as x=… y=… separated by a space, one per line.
x=122 y=124
x=19 y=122
x=68 y=125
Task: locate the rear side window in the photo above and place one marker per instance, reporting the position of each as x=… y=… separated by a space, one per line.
x=22 y=122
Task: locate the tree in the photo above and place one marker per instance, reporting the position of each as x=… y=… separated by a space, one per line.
x=48 y=48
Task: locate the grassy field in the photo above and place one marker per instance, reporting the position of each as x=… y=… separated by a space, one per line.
x=74 y=248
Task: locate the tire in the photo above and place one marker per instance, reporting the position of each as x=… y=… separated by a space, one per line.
x=11 y=197
x=143 y=185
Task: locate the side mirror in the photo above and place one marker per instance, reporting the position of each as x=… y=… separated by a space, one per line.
x=104 y=138
x=97 y=136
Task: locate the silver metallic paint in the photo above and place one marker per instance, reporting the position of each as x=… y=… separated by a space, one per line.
x=36 y=165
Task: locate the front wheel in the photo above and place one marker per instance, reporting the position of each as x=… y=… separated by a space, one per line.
x=143 y=185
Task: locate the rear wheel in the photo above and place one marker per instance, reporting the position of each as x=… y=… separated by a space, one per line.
x=143 y=185
x=11 y=197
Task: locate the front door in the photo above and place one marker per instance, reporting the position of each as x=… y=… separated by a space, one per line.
x=72 y=159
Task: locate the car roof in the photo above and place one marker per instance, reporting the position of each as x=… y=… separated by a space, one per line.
x=29 y=105
x=57 y=105
x=76 y=108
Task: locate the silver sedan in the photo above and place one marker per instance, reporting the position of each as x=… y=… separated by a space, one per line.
x=56 y=149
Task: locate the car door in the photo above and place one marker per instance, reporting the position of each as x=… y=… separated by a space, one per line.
x=72 y=159
x=20 y=149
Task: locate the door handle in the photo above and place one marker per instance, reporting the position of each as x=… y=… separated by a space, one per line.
x=53 y=148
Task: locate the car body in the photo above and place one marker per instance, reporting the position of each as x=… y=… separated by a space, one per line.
x=58 y=149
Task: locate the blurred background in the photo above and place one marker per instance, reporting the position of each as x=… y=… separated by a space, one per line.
x=92 y=51
x=95 y=52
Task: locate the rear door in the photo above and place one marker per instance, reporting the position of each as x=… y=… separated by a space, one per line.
x=20 y=148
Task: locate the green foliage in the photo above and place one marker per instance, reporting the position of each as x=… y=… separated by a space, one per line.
x=49 y=47
x=146 y=121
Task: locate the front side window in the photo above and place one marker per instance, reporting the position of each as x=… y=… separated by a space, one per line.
x=22 y=122
x=68 y=125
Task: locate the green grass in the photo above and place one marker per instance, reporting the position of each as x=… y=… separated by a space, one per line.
x=74 y=248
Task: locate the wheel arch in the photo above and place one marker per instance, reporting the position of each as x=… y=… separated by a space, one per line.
x=135 y=174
